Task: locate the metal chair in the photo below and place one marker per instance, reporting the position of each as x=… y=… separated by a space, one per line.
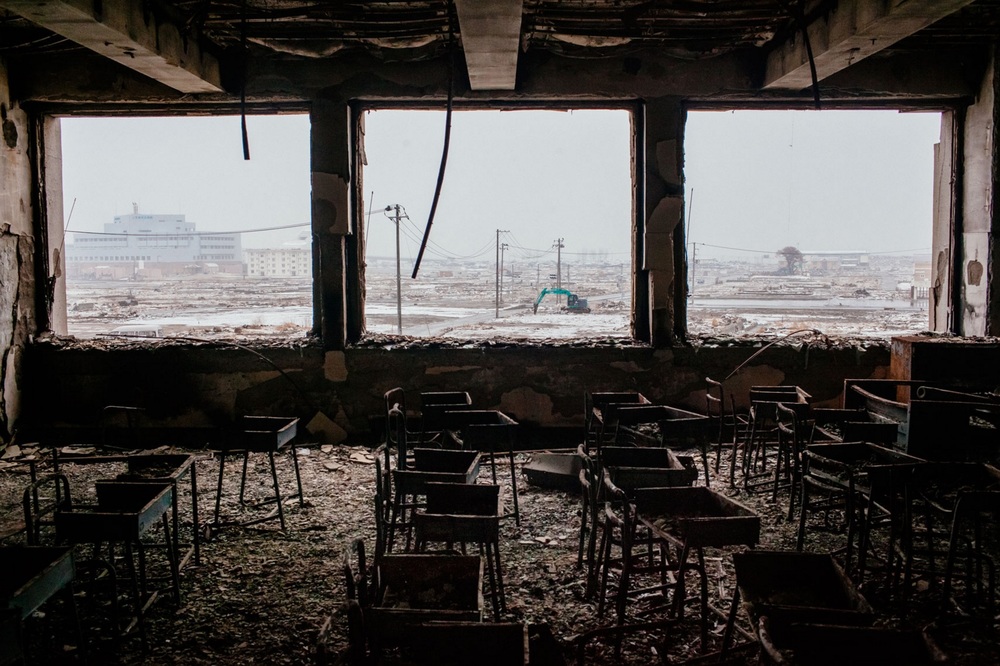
x=763 y=433
x=589 y=520
x=640 y=553
x=789 y=455
x=458 y=513
x=730 y=427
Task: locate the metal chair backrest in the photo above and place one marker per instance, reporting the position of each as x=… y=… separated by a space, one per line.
x=396 y=434
x=41 y=500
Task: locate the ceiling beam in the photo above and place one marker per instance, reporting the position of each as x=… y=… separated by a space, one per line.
x=119 y=30
x=491 y=39
x=851 y=32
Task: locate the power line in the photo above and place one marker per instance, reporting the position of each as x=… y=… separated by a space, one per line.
x=188 y=233
x=744 y=249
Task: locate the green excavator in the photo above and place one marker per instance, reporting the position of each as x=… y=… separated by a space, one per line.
x=573 y=302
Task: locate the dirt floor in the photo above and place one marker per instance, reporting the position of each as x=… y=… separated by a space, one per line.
x=260 y=594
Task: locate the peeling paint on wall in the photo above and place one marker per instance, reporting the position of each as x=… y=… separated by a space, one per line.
x=330 y=195
x=335 y=366
x=528 y=405
x=975 y=272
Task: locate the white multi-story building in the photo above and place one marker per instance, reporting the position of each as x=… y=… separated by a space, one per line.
x=279 y=262
x=152 y=245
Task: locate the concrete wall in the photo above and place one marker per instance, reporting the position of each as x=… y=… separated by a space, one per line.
x=207 y=386
x=17 y=248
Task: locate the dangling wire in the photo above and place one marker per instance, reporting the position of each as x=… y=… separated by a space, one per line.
x=243 y=80
x=444 y=151
x=799 y=15
x=774 y=342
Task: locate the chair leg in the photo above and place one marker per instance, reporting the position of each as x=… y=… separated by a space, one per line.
x=218 y=490
x=172 y=559
x=803 y=505
x=298 y=477
x=605 y=566
x=243 y=478
x=277 y=489
x=494 y=596
x=513 y=487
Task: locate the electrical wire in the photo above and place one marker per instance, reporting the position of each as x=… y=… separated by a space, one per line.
x=187 y=233
x=771 y=344
x=744 y=249
x=444 y=150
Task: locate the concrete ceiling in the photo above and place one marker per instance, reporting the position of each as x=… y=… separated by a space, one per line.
x=185 y=44
x=491 y=40
x=856 y=30
x=121 y=31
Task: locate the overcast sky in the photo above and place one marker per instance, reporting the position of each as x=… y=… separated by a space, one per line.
x=828 y=180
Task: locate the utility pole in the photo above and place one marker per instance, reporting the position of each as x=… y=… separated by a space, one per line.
x=559 y=246
x=399 y=288
x=496 y=313
x=694 y=267
x=503 y=246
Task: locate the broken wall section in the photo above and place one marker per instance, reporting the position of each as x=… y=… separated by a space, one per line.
x=17 y=248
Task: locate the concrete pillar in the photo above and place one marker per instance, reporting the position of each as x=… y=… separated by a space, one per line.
x=940 y=314
x=18 y=302
x=53 y=219
x=976 y=311
x=663 y=233
x=331 y=216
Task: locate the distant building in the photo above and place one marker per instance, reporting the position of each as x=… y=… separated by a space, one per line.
x=826 y=262
x=141 y=245
x=279 y=262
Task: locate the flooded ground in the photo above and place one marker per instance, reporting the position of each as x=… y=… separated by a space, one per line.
x=464 y=304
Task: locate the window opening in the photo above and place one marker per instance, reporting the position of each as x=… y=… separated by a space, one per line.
x=809 y=219
x=532 y=236
x=170 y=229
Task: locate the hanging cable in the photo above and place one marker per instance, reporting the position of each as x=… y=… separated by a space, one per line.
x=243 y=80
x=771 y=344
x=444 y=150
x=798 y=13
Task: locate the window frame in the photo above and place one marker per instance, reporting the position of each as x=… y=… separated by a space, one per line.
x=355 y=278
x=51 y=268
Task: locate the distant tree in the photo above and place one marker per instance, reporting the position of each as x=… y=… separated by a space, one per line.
x=793 y=259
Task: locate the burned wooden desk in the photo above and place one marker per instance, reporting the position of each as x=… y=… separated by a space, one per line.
x=805 y=610
x=933 y=422
x=959 y=503
x=632 y=467
x=660 y=426
x=599 y=410
x=124 y=512
x=171 y=468
x=32 y=576
x=794 y=587
x=841 y=470
x=168 y=468
x=414 y=589
x=261 y=434
x=460 y=513
x=692 y=519
x=488 y=430
x=433 y=405
x=410 y=482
